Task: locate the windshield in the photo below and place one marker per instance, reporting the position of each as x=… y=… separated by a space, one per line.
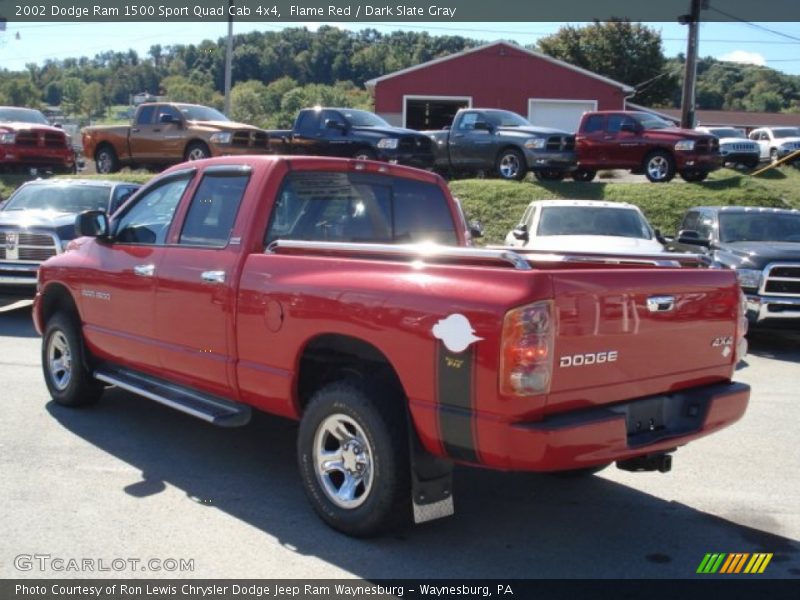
x=726 y=132
x=22 y=115
x=363 y=118
x=593 y=220
x=786 y=132
x=68 y=199
x=200 y=113
x=504 y=118
x=653 y=122
x=759 y=227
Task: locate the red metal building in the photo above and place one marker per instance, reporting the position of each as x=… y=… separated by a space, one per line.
x=549 y=92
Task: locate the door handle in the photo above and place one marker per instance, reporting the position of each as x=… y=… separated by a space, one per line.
x=213 y=276
x=135 y=130
x=144 y=270
x=661 y=303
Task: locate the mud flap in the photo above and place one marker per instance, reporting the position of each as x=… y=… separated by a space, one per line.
x=431 y=483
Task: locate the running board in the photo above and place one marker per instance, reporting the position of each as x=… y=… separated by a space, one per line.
x=213 y=409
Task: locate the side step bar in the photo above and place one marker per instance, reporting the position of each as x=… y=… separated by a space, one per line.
x=213 y=409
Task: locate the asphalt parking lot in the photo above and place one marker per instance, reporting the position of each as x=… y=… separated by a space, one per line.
x=129 y=479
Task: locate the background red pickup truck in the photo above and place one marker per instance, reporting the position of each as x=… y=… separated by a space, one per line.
x=288 y=285
x=643 y=143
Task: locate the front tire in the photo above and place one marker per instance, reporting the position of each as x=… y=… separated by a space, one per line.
x=659 y=167
x=510 y=165
x=66 y=374
x=106 y=161
x=354 y=460
x=196 y=151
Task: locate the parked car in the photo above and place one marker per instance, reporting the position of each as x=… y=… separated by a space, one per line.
x=734 y=146
x=166 y=133
x=584 y=226
x=38 y=221
x=342 y=294
x=643 y=143
x=29 y=143
x=762 y=245
x=352 y=133
x=484 y=140
x=777 y=142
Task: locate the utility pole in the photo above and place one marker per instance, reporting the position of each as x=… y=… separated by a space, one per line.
x=690 y=72
x=229 y=60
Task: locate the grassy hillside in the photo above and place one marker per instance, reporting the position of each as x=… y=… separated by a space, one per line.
x=499 y=204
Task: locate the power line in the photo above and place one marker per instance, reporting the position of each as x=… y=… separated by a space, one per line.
x=754 y=25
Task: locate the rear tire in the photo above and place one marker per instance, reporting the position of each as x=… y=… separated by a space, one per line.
x=66 y=374
x=584 y=175
x=353 y=455
x=549 y=175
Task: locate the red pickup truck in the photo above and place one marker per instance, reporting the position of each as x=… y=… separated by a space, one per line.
x=345 y=294
x=645 y=144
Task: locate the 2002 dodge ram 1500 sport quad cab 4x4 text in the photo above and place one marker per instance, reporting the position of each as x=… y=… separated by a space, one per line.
x=304 y=287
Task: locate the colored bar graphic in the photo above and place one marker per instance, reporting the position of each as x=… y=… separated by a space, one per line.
x=734 y=563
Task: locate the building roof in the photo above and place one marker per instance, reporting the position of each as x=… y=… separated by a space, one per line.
x=501 y=44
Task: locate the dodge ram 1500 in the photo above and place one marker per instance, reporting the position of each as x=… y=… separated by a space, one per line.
x=342 y=293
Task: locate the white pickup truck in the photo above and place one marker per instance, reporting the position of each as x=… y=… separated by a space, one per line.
x=584 y=226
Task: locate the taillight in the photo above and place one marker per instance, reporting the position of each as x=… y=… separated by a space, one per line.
x=741 y=330
x=526 y=354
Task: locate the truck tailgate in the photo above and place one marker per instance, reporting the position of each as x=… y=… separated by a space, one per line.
x=624 y=334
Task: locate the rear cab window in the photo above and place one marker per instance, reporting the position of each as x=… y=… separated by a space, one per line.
x=359 y=207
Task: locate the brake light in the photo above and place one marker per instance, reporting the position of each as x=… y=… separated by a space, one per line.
x=741 y=330
x=526 y=352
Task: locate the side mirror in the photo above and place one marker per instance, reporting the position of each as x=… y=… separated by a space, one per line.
x=692 y=237
x=58 y=125
x=476 y=229
x=92 y=223
x=521 y=233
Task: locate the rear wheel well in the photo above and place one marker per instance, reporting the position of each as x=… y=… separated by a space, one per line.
x=333 y=357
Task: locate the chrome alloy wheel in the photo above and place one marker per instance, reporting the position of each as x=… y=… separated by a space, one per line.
x=197 y=153
x=658 y=167
x=509 y=166
x=343 y=461
x=59 y=360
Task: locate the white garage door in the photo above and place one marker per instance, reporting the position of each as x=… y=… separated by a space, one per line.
x=560 y=114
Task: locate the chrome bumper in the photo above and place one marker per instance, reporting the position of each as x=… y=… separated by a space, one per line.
x=760 y=308
x=18 y=274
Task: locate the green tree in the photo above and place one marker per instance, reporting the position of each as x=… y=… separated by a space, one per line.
x=248 y=103
x=627 y=52
x=92 y=101
x=72 y=95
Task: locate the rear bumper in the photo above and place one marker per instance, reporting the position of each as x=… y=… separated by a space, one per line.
x=762 y=308
x=595 y=436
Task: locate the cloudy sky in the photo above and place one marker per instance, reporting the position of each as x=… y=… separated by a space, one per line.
x=776 y=45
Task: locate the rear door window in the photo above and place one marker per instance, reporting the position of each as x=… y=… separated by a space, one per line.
x=352 y=207
x=213 y=210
